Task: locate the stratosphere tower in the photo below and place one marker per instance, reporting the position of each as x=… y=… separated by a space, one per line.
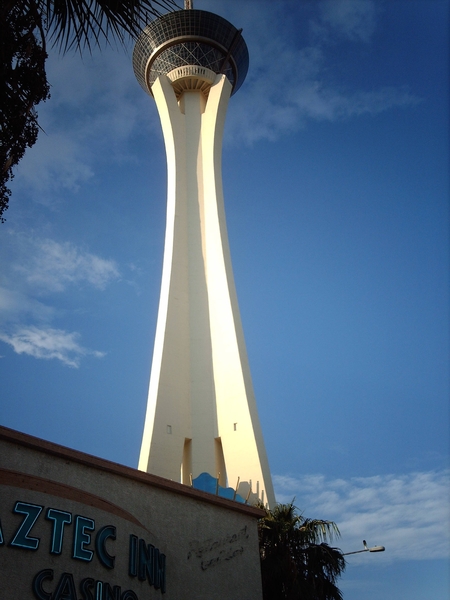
x=201 y=412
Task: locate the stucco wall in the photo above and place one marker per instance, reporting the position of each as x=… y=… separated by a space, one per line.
x=210 y=544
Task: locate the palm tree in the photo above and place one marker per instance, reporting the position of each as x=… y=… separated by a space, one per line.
x=296 y=561
x=26 y=27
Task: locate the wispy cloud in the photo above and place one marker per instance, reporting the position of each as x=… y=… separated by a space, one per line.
x=54 y=265
x=353 y=20
x=15 y=303
x=290 y=81
x=48 y=343
x=39 y=267
x=58 y=163
x=97 y=109
x=408 y=514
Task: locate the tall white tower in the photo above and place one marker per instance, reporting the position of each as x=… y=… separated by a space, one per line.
x=201 y=411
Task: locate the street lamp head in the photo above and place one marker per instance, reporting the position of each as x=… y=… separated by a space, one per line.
x=366 y=549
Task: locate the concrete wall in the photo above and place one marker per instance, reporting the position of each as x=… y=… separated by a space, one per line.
x=91 y=516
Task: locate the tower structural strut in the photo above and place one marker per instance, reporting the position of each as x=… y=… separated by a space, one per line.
x=201 y=412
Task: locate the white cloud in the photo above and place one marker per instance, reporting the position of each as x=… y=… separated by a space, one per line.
x=15 y=303
x=48 y=343
x=37 y=266
x=56 y=163
x=54 y=265
x=290 y=83
x=97 y=108
x=354 y=20
x=315 y=101
x=408 y=514
x=95 y=111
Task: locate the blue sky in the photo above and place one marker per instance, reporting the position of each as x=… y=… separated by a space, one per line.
x=336 y=186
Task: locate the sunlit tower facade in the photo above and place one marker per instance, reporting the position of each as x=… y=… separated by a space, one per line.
x=201 y=413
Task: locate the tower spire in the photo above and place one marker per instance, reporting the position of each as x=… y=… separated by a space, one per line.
x=188 y=4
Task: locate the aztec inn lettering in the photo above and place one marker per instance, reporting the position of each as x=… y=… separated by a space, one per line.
x=145 y=562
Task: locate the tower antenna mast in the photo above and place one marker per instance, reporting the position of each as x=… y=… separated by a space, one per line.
x=188 y=4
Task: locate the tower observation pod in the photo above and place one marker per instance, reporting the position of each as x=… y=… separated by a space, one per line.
x=201 y=412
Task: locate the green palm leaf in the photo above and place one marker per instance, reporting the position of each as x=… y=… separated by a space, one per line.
x=76 y=23
x=296 y=561
x=25 y=28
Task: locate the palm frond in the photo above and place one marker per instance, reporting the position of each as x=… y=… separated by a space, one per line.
x=318 y=530
x=81 y=23
x=296 y=561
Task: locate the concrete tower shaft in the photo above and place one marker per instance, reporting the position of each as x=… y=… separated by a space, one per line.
x=201 y=412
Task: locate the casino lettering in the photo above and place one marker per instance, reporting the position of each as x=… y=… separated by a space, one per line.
x=145 y=561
